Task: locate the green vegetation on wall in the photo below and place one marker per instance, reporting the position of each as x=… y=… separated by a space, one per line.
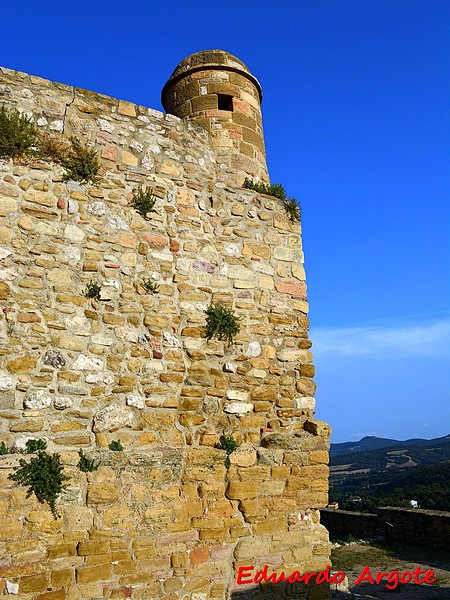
x=229 y=444
x=221 y=323
x=143 y=202
x=80 y=162
x=20 y=139
x=43 y=476
x=150 y=286
x=17 y=134
x=85 y=464
x=116 y=446
x=291 y=205
x=92 y=290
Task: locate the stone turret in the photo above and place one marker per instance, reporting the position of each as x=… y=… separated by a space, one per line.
x=216 y=90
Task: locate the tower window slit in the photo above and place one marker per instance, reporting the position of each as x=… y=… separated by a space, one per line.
x=224 y=102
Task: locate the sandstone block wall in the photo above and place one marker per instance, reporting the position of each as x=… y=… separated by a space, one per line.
x=165 y=518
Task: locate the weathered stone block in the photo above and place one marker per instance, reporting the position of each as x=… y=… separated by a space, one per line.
x=317 y=427
x=94 y=547
x=264 y=392
x=307 y=370
x=61 y=550
x=24 y=364
x=74 y=440
x=30 y=425
x=34 y=583
x=276 y=525
x=11 y=528
x=243 y=457
x=113 y=417
x=7 y=206
x=56 y=595
x=68 y=342
x=126 y=108
x=240 y=490
x=238 y=408
x=294 y=355
x=191 y=420
x=37 y=400
x=319 y=457
x=62 y=578
x=90 y=574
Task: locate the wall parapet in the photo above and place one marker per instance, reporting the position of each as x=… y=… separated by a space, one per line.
x=422 y=527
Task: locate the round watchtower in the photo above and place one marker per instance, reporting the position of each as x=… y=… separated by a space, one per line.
x=216 y=90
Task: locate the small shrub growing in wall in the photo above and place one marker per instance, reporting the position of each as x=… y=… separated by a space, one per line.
x=32 y=446
x=80 y=162
x=143 y=202
x=221 y=323
x=150 y=286
x=3 y=449
x=52 y=148
x=276 y=189
x=92 y=290
x=229 y=444
x=292 y=208
x=85 y=464
x=291 y=205
x=43 y=476
x=116 y=446
x=19 y=138
x=17 y=134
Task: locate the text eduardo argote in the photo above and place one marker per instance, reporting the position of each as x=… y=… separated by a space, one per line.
x=392 y=578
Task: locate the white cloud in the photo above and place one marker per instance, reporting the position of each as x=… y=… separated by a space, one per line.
x=426 y=339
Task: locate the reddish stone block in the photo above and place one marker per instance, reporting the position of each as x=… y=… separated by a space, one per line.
x=110 y=153
x=156 y=241
x=199 y=555
x=293 y=287
x=174 y=246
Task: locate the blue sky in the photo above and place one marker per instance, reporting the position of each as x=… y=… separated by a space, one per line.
x=356 y=123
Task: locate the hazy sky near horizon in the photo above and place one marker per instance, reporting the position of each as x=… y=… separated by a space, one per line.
x=356 y=125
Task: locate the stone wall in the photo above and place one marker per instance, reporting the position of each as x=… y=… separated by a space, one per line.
x=165 y=518
x=422 y=527
x=346 y=522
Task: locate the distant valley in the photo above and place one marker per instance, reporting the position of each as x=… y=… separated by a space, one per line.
x=379 y=472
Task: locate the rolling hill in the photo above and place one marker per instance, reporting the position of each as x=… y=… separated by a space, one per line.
x=369 y=443
x=378 y=471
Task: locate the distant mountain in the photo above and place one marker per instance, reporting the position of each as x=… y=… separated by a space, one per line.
x=370 y=442
x=379 y=470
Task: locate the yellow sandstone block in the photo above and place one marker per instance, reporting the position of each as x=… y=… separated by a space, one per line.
x=126 y=108
x=90 y=574
x=97 y=547
x=62 y=578
x=34 y=583
x=56 y=595
x=270 y=526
